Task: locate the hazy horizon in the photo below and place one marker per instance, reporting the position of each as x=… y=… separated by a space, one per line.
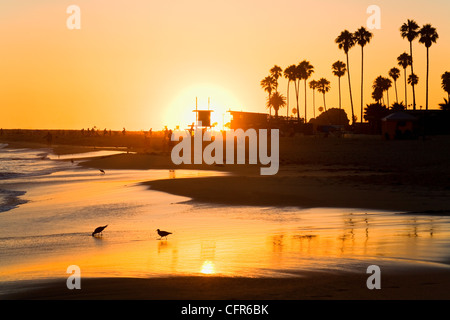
x=140 y=65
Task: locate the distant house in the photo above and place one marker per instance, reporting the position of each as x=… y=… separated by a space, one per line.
x=203 y=117
x=252 y=120
x=247 y=120
x=398 y=125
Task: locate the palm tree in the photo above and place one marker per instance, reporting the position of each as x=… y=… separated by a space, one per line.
x=377 y=94
x=276 y=72
x=380 y=85
x=378 y=89
x=446 y=83
x=413 y=79
x=387 y=83
x=339 y=68
x=362 y=37
x=394 y=73
x=298 y=77
x=345 y=42
x=445 y=105
x=428 y=36
x=323 y=86
x=277 y=101
x=396 y=107
x=404 y=60
x=313 y=86
x=410 y=31
x=268 y=84
x=306 y=70
x=289 y=73
x=294 y=111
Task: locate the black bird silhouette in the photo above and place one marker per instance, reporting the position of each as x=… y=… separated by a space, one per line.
x=163 y=233
x=102 y=171
x=98 y=230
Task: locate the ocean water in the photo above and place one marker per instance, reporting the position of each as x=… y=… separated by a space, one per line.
x=49 y=207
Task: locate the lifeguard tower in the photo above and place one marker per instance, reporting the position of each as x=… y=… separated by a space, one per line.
x=202 y=117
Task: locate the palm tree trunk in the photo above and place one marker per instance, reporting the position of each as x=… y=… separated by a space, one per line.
x=412 y=72
x=350 y=88
x=339 y=82
x=396 y=95
x=387 y=95
x=287 y=114
x=362 y=80
x=406 y=92
x=324 y=103
x=270 y=108
x=314 y=103
x=305 y=103
x=428 y=69
x=297 y=83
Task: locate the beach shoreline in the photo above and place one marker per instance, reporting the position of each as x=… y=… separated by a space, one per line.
x=316 y=179
x=398 y=284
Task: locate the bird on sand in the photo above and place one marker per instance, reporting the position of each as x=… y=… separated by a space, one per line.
x=163 y=233
x=102 y=171
x=98 y=230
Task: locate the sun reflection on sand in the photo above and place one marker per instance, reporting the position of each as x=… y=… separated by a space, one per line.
x=207 y=239
x=208 y=267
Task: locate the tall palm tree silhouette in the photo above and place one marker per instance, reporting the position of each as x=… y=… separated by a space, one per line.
x=394 y=73
x=345 y=42
x=323 y=86
x=378 y=89
x=446 y=83
x=404 y=60
x=313 y=86
x=410 y=31
x=298 y=77
x=387 y=84
x=377 y=94
x=362 y=37
x=306 y=70
x=289 y=73
x=275 y=73
x=268 y=84
x=276 y=101
x=413 y=80
x=339 y=68
x=428 y=36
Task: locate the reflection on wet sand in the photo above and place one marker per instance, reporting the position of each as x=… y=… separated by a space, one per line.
x=207 y=239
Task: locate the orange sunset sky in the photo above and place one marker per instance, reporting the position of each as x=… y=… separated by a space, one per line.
x=140 y=64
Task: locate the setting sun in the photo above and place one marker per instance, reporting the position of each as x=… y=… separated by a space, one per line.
x=180 y=110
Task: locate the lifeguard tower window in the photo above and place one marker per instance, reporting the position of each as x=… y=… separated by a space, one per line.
x=204 y=117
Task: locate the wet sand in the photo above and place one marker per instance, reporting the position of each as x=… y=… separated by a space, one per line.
x=417 y=284
x=316 y=172
x=400 y=176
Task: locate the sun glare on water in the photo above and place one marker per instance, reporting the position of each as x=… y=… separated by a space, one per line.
x=208 y=267
x=180 y=111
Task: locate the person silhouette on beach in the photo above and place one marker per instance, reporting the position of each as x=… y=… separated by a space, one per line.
x=49 y=138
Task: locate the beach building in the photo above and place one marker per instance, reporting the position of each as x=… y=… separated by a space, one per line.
x=398 y=125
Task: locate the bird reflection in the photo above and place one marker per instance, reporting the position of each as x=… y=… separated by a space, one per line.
x=277 y=243
x=162 y=245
